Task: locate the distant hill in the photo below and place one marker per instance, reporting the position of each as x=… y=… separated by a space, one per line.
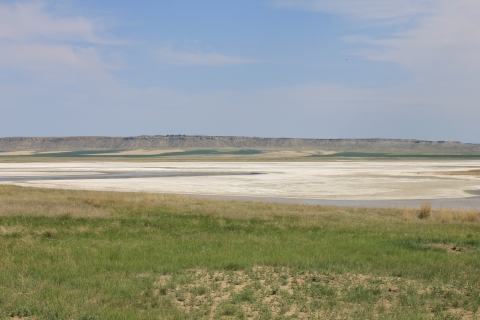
x=192 y=142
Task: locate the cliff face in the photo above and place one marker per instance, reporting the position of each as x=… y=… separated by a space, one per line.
x=180 y=141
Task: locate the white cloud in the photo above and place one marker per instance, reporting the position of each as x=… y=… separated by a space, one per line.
x=186 y=58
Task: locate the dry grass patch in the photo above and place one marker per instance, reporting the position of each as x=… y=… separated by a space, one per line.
x=8 y=231
x=409 y=213
x=29 y=201
x=20 y=231
x=470 y=214
x=18 y=201
x=443 y=214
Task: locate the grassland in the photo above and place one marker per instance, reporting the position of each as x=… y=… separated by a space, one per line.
x=99 y=255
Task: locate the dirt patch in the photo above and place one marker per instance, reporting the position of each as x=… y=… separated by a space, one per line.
x=448 y=247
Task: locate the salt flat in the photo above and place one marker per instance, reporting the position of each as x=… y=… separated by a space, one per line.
x=332 y=180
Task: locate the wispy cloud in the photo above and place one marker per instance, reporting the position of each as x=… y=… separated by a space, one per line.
x=27 y=21
x=440 y=49
x=444 y=30
x=187 y=58
x=393 y=11
x=436 y=41
x=450 y=34
x=36 y=38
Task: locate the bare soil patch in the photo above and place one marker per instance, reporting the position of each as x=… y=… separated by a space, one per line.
x=283 y=293
x=448 y=247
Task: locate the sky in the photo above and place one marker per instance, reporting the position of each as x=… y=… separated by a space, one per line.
x=323 y=69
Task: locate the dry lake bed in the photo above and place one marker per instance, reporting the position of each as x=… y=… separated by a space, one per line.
x=369 y=182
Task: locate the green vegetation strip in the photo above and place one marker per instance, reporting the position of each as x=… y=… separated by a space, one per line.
x=97 y=255
x=112 y=154
x=212 y=154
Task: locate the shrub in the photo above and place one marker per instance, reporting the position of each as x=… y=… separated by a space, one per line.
x=425 y=210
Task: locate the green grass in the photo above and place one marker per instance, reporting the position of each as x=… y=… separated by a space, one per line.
x=96 y=255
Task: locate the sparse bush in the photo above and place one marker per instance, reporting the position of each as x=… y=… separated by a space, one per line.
x=425 y=210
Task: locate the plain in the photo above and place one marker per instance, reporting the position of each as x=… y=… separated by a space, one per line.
x=100 y=255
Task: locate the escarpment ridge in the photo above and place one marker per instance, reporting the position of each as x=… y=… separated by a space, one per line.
x=197 y=141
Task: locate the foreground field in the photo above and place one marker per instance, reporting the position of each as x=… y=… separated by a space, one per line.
x=99 y=255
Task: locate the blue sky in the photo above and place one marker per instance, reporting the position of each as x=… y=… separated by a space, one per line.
x=271 y=68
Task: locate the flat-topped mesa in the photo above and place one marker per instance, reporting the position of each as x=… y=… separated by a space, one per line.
x=185 y=141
